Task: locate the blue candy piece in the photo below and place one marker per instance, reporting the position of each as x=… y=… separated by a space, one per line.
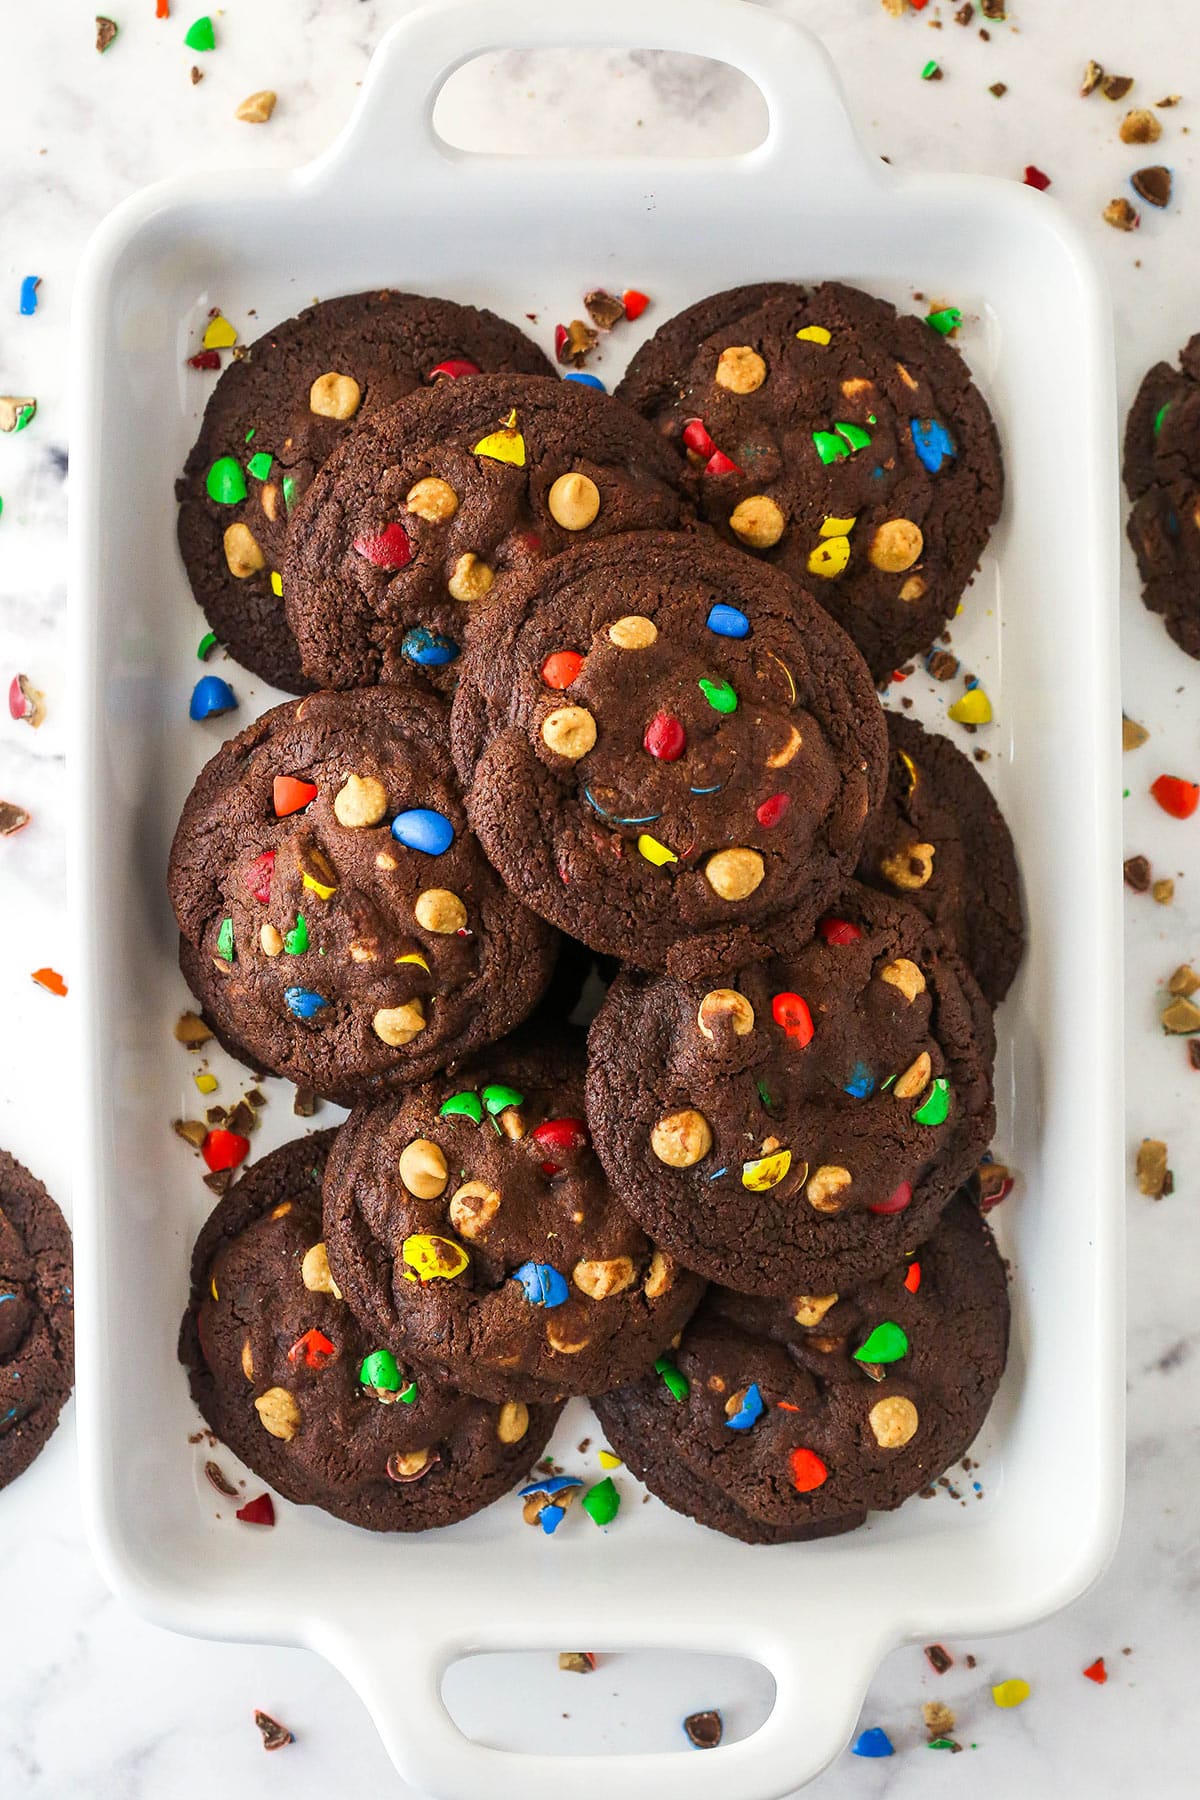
x=302 y=1003
x=751 y=1410
x=543 y=1285
x=932 y=443
x=711 y=790
x=644 y=819
x=550 y=1518
x=874 y=1742
x=861 y=1082
x=29 y=288
x=727 y=621
x=552 y=1484
x=592 y=381
x=423 y=829
x=211 y=696
x=429 y=649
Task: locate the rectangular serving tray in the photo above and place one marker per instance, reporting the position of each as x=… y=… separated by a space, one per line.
x=391 y=204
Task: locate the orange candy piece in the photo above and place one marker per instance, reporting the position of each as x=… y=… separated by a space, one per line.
x=291 y=795
x=561 y=667
x=51 y=980
x=912 y=1279
x=808 y=1471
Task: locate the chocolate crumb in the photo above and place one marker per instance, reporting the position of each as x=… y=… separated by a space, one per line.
x=197 y=75
x=12 y=818
x=218 y=1180
x=304 y=1103
x=274 y=1735
x=939 y=1657
x=999 y=88
x=704 y=1729
x=220 y=1480
x=603 y=308
x=965 y=14
x=191 y=1131
x=106 y=31
x=993 y=9
x=942 y=665
x=1137 y=874
x=1153 y=184
x=1194 y=1052
x=970 y=1662
x=1169 y=100
x=578 y=343
x=1115 y=87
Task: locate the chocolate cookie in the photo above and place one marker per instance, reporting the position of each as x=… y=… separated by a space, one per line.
x=780 y=1420
x=787 y=1112
x=341 y=925
x=940 y=841
x=274 y=417
x=471 y=1224
x=1162 y=477
x=37 y=1318
x=657 y=735
x=285 y=1375
x=835 y=437
x=419 y=522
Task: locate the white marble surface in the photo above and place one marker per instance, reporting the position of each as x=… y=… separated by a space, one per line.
x=93 y=1700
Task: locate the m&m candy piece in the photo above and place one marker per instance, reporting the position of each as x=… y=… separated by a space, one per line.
x=210 y=697
x=259 y=1511
x=543 y=1284
x=295 y=941
x=727 y=621
x=896 y=1201
x=750 y=1410
x=583 y=379
x=314 y=1349
x=861 y=1082
x=887 y=1343
x=303 y=1003
x=772 y=810
x=807 y=1470
x=635 y=303
x=838 y=931
x=289 y=794
x=932 y=443
x=561 y=667
x=258 y=877
x=654 y=852
x=1011 y=1693
x=225 y=482
x=602 y=1502
x=912 y=1277
x=497 y=1097
x=421 y=828
x=720 y=464
x=453 y=369
x=665 y=738
x=380 y=1370
x=696 y=438
x=813 y=334
x=974 y=708
x=676 y=1381
x=562 y=1135
x=935 y=1108
x=828 y=447
x=225 y=944
x=791 y=1013
x=427 y=649
x=388 y=548
x=855 y=436
x=829 y=558
x=1175 y=796
x=764 y=1172
x=873 y=1742
x=720 y=696
x=465 y=1106
x=260 y=465
x=224 y=1149
x=504 y=446
x=433 y=1258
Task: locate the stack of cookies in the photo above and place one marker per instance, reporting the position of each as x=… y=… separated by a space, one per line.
x=589 y=693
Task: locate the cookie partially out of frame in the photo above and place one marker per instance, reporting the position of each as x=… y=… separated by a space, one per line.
x=658 y=736
x=837 y=438
x=778 y=1420
x=278 y=412
x=419 y=521
x=341 y=925
x=788 y=1111
x=471 y=1224
x=37 y=1318
x=287 y=1377
x=940 y=841
x=1162 y=477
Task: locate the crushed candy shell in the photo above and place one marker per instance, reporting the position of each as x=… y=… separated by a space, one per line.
x=260 y=1511
x=873 y=1742
x=1011 y=1693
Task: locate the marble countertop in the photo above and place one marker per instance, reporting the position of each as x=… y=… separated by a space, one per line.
x=93 y=1700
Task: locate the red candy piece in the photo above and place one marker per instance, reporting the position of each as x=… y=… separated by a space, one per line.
x=808 y=1471
x=838 y=931
x=1036 y=178
x=258 y=875
x=791 y=1014
x=315 y=1348
x=696 y=439
x=918 y=5
x=224 y=1149
x=453 y=369
x=772 y=810
x=720 y=464
x=1177 y=797
x=665 y=737
x=530 y=542
x=257 y=1512
x=289 y=794
x=635 y=303
x=989 y=1199
x=387 y=549
x=561 y=667
x=895 y=1203
x=204 y=359
x=560 y=343
x=912 y=1277
x=1096 y=1671
x=563 y=1135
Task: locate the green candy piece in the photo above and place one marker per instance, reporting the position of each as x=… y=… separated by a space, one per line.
x=935 y=1108
x=289 y=491
x=296 y=940
x=1160 y=415
x=260 y=465
x=829 y=448
x=225 y=941
x=676 y=1381
x=408 y=1394
x=930 y=70
x=25 y=415
x=380 y=1370
x=201 y=35
x=855 y=436
x=764 y=1094
x=719 y=694
x=466 y=1106
x=225 y=482
x=206 y=646
x=946 y=320
x=497 y=1097
x=602 y=1502
x=887 y=1343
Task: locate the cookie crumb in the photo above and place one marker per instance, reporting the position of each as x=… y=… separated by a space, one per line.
x=1153 y=185
x=939 y=1658
x=1137 y=874
x=577 y=1662
x=1115 y=87
x=274 y=1735
x=1163 y=890
x=106 y=31
x=1122 y=216
x=603 y=308
x=1154 y=1179
x=939 y=1719
x=1132 y=734
x=1093 y=75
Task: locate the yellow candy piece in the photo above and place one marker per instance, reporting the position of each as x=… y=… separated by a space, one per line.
x=910 y=768
x=219 y=334
x=790 y=678
x=205 y=1082
x=506 y=445
x=213 y=1285
x=608 y=1460
x=654 y=852
x=317 y=887
x=433 y=1258
x=813 y=334
x=766 y=1171
x=973 y=709
x=1011 y=1693
x=414 y=958
x=277 y=584
x=830 y=557
x=838 y=527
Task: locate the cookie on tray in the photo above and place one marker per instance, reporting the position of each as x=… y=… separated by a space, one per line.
x=37 y=1317
x=306 y=1397
x=278 y=412
x=657 y=735
x=940 y=841
x=1162 y=477
x=341 y=926
x=787 y=1111
x=419 y=521
x=777 y=1420
x=471 y=1224
x=844 y=441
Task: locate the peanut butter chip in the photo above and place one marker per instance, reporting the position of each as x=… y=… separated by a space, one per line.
x=423 y=1168
x=257 y=108
x=278 y=1413
x=779 y=759
x=660 y=1276
x=734 y=874
x=810 y=1309
x=825 y=1185
x=398 y=1025
x=601 y=1279
x=242 y=552
x=896 y=545
x=513 y=1422
x=334 y=396
x=268 y=499
x=740 y=369
x=569 y=731
x=471 y=579
x=681 y=1138
x=757 y=521
x=574 y=501
x=721 y=1004
x=633 y=632
x=904 y=975
x=914 y=588
x=439 y=910
x=247 y=1360
x=270 y=940
x=910 y=868
x=915 y=1078
x=566 y=1346
x=315 y=1273
x=359 y=802
x=894 y=1421
x=473 y=1206
x=432 y=499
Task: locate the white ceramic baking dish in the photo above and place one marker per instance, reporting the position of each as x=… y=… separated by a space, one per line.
x=389 y=204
